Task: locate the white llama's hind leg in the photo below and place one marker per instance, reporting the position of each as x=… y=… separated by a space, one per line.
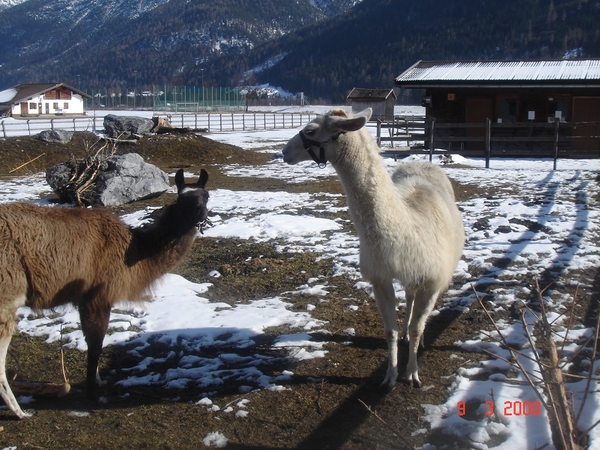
x=410 y=297
x=385 y=298
x=423 y=304
x=5 y=390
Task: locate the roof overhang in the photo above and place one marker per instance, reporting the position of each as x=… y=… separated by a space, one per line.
x=440 y=85
x=505 y=74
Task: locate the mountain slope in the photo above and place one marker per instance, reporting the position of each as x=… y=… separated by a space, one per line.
x=378 y=39
x=108 y=42
x=321 y=47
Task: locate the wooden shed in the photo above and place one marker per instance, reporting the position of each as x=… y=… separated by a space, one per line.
x=526 y=102
x=382 y=102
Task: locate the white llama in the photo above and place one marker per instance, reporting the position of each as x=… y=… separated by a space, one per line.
x=408 y=225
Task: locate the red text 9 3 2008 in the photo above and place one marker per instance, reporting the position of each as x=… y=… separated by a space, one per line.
x=509 y=408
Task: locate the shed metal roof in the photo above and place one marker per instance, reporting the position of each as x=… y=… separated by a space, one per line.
x=371 y=94
x=526 y=72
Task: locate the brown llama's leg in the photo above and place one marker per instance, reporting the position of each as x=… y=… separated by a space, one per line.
x=94 y=323
x=7 y=328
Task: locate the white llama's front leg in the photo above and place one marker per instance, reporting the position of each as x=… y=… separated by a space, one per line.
x=385 y=298
x=423 y=304
x=5 y=390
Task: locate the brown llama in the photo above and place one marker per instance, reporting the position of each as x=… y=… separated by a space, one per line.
x=90 y=259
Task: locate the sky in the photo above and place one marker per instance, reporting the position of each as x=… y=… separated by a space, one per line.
x=562 y=204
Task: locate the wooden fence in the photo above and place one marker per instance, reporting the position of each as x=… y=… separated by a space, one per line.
x=213 y=122
x=553 y=140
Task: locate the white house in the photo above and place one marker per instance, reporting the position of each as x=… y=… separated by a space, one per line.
x=33 y=100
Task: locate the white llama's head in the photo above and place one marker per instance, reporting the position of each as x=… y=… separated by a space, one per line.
x=317 y=139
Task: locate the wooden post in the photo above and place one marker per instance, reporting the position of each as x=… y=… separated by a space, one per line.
x=557 y=123
x=488 y=142
x=431 y=140
x=378 y=133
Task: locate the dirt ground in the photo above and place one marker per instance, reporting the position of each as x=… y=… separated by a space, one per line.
x=345 y=409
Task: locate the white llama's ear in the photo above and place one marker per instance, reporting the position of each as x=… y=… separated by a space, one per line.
x=367 y=113
x=353 y=123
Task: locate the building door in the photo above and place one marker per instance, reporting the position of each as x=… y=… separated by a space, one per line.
x=478 y=110
x=586 y=109
x=24 y=108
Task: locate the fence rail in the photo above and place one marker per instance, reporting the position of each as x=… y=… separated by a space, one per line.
x=551 y=139
x=211 y=122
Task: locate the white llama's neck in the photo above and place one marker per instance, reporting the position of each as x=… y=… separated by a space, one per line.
x=369 y=189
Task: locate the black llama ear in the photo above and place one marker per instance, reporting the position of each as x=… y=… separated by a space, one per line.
x=179 y=180
x=203 y=178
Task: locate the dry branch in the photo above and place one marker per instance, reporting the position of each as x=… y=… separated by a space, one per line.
x=43 y=389
x=24 y=164
x=396 y=433
x=565 y=435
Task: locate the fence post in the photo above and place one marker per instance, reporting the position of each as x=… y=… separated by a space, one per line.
x=3 y=129
x=488 y=142
x=431 y=140
x=557 y=122
x=28 y=127
x=378 y=132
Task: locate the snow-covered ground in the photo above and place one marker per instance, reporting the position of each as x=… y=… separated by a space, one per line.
x=561 y=204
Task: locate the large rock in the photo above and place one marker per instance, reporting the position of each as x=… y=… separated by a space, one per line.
x=60 y=136
x=120 y=179
x=127 y=127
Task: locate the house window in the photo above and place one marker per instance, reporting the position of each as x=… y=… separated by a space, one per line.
x=65 y=105
x=33 y=106
x=55 y=105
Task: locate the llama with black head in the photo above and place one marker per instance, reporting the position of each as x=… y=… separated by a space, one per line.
x=88 y=258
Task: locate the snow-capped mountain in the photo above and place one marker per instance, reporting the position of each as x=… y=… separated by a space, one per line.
x=323 y=48
x=151 y=40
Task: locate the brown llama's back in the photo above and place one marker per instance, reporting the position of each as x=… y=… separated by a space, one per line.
x=55 y=256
